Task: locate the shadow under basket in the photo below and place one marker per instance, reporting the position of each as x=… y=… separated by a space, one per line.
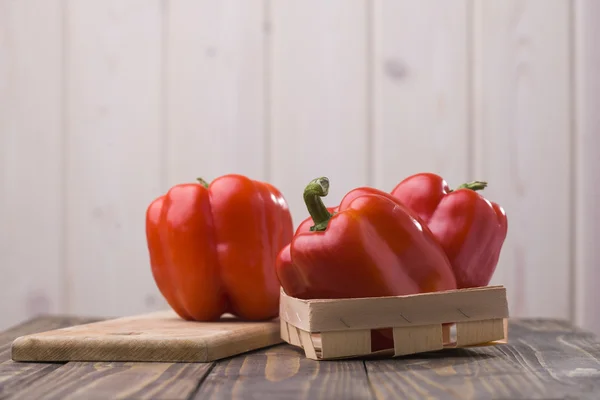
x=343 y=328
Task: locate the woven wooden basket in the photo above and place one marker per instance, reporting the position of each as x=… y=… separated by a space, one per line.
x=333 y=329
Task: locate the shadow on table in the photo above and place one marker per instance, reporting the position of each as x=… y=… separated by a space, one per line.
x=434 y=359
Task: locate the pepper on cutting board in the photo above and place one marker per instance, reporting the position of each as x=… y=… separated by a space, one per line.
x=470 y=228
x=213 y=247
x=370 y=246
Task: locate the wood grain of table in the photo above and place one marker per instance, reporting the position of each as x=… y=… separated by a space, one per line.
x=545 y=359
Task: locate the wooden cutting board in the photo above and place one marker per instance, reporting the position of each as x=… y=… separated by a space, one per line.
x=159 y=336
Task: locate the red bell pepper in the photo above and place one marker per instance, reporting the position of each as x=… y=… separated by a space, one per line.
x=371 y=246
x=470 y=228
x=213 y=247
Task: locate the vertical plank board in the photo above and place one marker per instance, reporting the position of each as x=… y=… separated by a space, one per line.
x=215 y=89
x=114 y=153
x=587 y=101
x=522 y=121
x=479 y=332
x=417 y=339
x=319 y=58
x=345 y=343
x=31 y=151
x=421 y=90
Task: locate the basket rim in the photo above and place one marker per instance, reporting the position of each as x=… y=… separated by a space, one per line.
x=404 y=296
x=443 y=307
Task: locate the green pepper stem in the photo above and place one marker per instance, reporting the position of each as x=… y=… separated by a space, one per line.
x=313 y=192
x=202 y=182
x=474 y=185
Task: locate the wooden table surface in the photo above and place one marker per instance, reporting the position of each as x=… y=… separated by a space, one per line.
x=545 y=359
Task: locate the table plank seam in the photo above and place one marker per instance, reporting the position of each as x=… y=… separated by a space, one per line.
x=202 y=379
x=371 y=387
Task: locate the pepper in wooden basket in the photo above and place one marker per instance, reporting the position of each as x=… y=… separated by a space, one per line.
x=470 y=228
x=213 y=247
x=370 y=246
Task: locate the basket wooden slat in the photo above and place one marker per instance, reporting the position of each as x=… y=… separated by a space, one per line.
x=417 y=339
x=476 y=332
x=339 y=343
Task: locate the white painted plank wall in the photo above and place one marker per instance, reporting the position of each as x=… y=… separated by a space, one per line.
x=106 y=104
x=421 y=104
x=319 y=106
x=522 y=116
x=114 y=118
x=214 y=90
x=31 y=160
x=587 y=152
